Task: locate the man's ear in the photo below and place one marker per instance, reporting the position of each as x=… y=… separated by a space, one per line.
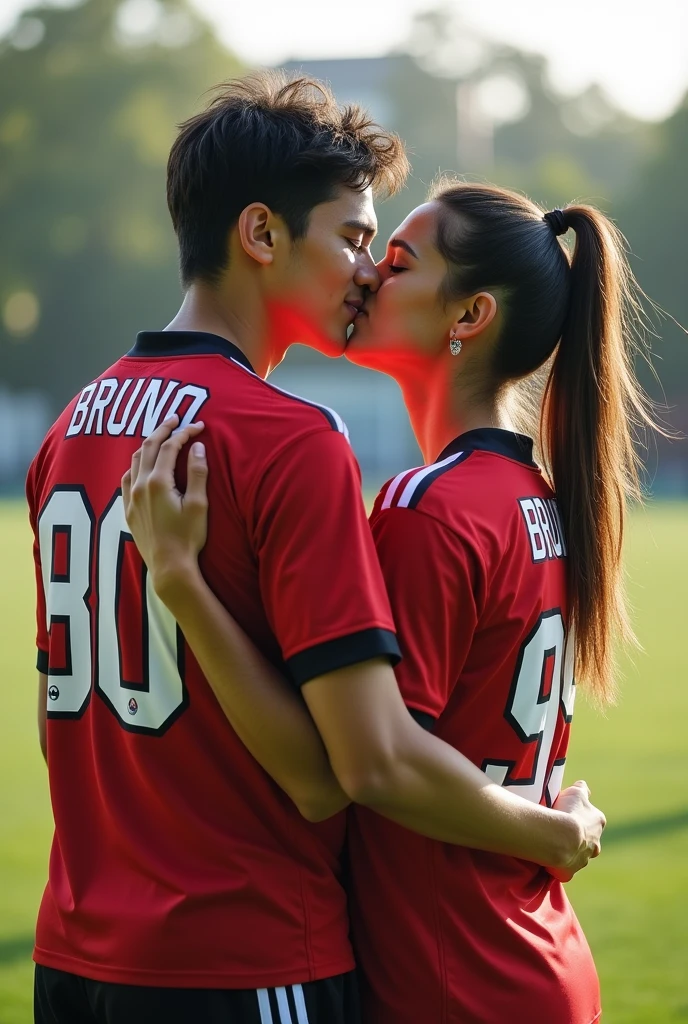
x=259 y=231
x=478 y=312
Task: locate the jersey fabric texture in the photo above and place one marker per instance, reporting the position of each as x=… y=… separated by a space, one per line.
x=176 y=860
x=474 y=560
x=61 y=998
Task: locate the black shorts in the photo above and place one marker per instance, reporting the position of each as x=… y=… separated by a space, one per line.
x=61 y=998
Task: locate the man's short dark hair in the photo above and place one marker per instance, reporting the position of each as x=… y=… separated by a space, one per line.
x=279 y=140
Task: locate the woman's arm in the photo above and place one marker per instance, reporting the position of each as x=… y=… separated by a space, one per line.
x=269 y=716
x=381 y=756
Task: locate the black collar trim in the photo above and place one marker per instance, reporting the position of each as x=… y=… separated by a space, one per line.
x=492 y=439
x=186 y=343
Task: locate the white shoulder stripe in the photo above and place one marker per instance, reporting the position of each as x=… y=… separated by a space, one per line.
x=331 y=414
x=417 y=478
x=393 y=488
x=246 y=370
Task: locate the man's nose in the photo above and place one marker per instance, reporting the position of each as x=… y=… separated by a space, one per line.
x=367 y=274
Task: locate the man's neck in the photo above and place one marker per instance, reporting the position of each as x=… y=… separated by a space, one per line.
x=240 y=322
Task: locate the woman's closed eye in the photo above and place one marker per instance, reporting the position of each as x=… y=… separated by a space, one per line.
x=394 y=269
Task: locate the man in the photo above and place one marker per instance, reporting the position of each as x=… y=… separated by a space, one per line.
x=184 y=884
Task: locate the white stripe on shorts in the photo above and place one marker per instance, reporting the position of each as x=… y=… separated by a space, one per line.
x=264 y=1006
x=300 y=1003
x=283 y=1006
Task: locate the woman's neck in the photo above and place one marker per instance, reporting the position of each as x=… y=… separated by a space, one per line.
x=441 y=407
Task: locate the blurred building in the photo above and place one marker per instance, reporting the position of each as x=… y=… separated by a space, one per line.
x=440 y=114
x=24 y=420
x=365 y=80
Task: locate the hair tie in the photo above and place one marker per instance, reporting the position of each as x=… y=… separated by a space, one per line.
x=557 y=221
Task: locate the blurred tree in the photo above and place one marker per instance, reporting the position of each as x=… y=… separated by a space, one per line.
x=424 y=114
x=654 y=218
x=513 y=128
x=90 y=96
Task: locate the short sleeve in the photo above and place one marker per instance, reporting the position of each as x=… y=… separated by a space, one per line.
x=320 y=578
x=42 y=639
x=432 y=577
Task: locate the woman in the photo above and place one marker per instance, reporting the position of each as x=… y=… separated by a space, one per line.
x=498 y=938
x=488 y=574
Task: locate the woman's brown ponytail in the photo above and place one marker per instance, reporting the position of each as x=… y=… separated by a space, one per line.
x=592 y=402
x=582 y=309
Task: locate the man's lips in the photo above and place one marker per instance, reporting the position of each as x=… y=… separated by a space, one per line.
x=354 y=310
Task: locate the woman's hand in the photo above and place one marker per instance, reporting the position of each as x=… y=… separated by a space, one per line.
x=169 y=528
x=264 y=709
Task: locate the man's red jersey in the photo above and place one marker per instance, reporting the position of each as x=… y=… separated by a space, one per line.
x=473 y=555
x=177 y=861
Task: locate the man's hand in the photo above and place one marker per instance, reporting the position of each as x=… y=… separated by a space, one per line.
x=576 y=801
x=169 y=528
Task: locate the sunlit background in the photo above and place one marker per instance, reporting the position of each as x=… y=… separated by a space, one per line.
x=564 y=99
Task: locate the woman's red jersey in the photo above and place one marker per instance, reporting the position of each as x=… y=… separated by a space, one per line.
x=473 y=556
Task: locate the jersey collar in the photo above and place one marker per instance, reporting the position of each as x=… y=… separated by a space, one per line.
x=186 y=343
x=492 y=439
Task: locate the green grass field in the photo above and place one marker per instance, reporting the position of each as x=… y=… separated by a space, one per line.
x=633 y=902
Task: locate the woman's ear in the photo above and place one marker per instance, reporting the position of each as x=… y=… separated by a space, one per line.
x=256 y=228
x=478 y=313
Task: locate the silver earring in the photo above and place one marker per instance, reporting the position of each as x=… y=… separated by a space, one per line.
x=455 y=344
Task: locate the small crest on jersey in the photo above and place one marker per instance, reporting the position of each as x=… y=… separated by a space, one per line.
x=53 y=692
x=132 y=706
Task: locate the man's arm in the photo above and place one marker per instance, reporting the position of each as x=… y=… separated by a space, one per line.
x=380 y=757
x=43 y=714
x=386 y=761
